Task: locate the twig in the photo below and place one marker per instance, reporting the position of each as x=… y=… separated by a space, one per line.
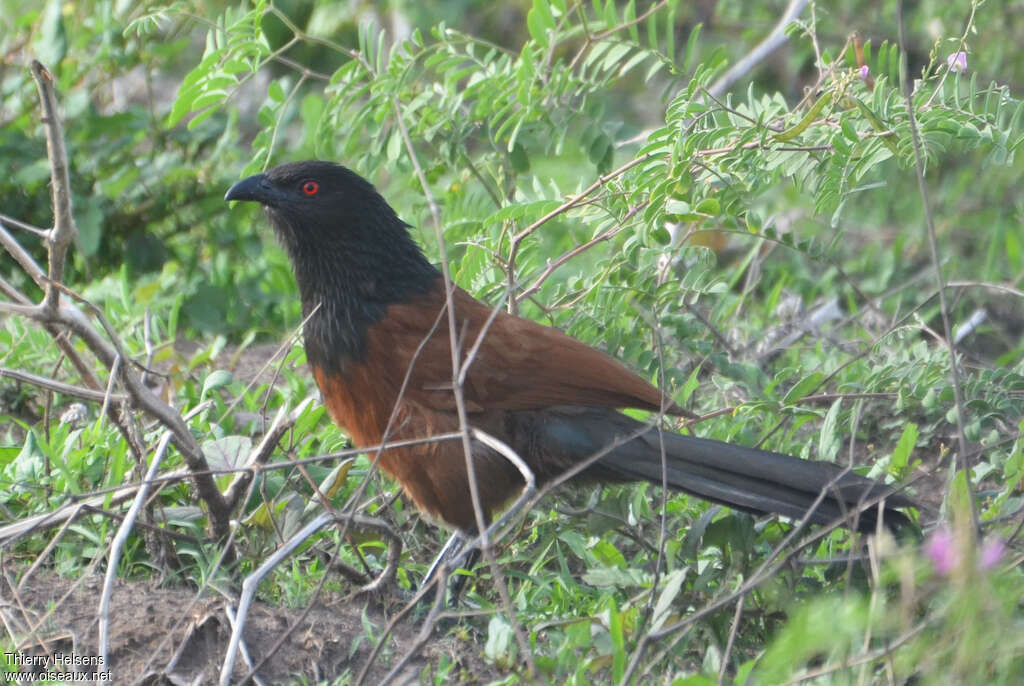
x=64 y=229
x=117 y=546
x=733 y=629
x=460 y=404
x=888 y=649
x=933 y=248
x=24 y=226
x=60 y=387
x=262 y=452
x=21 y=255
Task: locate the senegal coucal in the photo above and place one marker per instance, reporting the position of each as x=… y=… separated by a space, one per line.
x=373 y=302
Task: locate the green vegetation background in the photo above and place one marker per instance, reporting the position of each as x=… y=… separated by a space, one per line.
x=718 y=225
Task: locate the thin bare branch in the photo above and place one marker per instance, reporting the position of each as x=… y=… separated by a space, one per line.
x=22 y=257
x=933 y=248
x=60 y=387
x=117 y=546
x=64 y=229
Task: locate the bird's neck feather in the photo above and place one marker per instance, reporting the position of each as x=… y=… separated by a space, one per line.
x=346 y=287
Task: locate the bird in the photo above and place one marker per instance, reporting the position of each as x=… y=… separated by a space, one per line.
x=381 y=354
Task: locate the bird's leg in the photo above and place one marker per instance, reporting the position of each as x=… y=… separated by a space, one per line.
x=451 y=547
x=471 y=555
x=460 y=546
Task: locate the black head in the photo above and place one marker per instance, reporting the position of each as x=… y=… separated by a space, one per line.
x=352 y=255
x=317 y=202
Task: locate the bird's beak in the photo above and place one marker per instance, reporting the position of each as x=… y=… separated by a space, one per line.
x=255 y=188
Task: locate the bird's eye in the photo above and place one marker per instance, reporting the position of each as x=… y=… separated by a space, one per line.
x=310 y=188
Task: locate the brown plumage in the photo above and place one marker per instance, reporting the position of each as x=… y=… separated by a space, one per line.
x=376 y=311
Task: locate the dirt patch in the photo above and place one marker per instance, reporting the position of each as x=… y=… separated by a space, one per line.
x=168 y=636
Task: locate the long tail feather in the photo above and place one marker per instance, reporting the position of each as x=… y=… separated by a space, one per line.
x=745 y=478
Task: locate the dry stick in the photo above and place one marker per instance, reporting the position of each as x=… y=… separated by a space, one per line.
x=45 y=553
x=890 y=648
x=1004 y=288
x=747 y=63
x=589 y=38
x=244 y=650
x=24 y=226
x=353 y=501
x=60 y=387
x=286 y=343
x=98 y=498
x=117 y=546
x=67 y=513
x=737 y=615
x=867 y=350
x=666 y=401
x=23 y=258
x=261 y=453
x=440 y=584
x=34 y=623
x=529 y=489
x=64 y=229
x=933 y=248
x=12 y=532
x=394 y=548
x=460 y=404
x=142 y=396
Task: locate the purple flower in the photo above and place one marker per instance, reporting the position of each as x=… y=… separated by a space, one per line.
x=991 y=553
x=941 y=548
x=864 y=72
x=957 y=62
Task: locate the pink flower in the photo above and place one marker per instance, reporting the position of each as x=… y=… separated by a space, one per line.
x=957 y=62
x=864 y=72
x=991 y=553
x=941 y=548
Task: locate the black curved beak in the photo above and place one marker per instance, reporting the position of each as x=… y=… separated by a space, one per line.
x=255 y=188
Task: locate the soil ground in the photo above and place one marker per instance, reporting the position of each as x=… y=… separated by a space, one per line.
x=167 y=636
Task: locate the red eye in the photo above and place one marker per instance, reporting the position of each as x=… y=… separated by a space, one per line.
x=310 y=188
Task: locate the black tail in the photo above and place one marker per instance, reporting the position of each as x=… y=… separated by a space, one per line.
x=749 y=479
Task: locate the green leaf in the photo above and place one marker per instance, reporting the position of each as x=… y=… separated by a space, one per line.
x=708 y=206
x=828 y=439
x=904 y=447
x=803 y=387
x=537 y=28
x=394 y=150
x=218 y=378
x=669 y=592
x=808 y=118
x=848 y=130
x=229 y=452
x=608 y=555
x=275 y=91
